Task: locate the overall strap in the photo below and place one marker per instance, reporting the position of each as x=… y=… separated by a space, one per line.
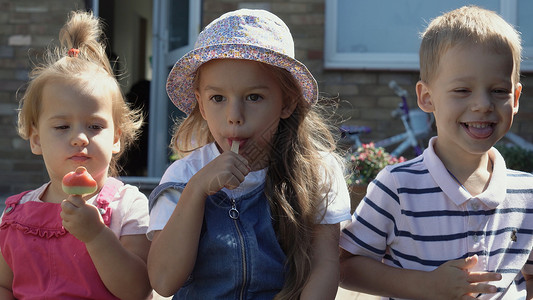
x=105 y=197
x=12 y=201
x=154 y=195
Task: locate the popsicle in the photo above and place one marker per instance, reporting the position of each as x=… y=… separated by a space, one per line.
x=79 y=182
x=235 y=147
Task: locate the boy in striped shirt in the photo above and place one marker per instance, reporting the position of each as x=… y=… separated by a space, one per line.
x=453 y=223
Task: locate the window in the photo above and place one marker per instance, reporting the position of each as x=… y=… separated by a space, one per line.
x=384 y=35
x=176 y=26
x=524 y=24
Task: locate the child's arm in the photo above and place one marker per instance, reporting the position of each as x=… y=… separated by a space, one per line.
x=173 y=252
x=449 y=281
x=6 y=280
x=324 y=278
x=529 y=286
x=121 y=264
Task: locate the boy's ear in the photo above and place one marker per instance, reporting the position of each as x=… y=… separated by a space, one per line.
x=517 y=93
x=288 y=108
x=423 y=96
x=35 y=142
x=116 y=142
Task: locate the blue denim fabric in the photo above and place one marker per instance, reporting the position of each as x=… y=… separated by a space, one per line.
x=237 y=258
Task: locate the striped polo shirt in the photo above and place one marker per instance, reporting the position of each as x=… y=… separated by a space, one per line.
x=416 y=216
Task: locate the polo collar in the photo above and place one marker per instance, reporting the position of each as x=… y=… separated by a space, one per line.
x=493 y=195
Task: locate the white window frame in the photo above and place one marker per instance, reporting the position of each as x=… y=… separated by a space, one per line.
x=162 y=60
x=334 y=59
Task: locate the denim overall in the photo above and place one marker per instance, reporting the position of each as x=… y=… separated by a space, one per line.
x=239 y=256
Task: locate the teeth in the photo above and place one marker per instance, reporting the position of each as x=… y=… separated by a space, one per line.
x=478 y=125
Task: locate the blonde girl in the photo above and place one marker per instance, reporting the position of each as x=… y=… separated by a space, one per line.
x=59 y=246
x=252 y=210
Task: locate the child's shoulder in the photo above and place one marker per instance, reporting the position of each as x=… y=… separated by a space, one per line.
x=17 y=197
x=405 y=173
x=184 y=168
x=119 y=194
x=131 y=192
x=413 y=166
x=518 y=173
x=519 y=178
x=331 y=159
x=26 y=196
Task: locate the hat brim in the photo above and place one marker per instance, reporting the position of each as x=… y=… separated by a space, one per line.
x=180 y=80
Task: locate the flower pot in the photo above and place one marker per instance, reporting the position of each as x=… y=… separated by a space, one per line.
x=357 y=193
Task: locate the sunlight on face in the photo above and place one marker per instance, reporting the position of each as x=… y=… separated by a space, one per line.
x=473 y=99
x=241 y=102
x=75 y=128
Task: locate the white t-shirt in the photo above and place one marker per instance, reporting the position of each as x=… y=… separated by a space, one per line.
x=338 y=208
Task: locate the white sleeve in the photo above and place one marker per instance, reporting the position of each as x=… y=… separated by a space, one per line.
x=133 y=211
x=162 y=210
x=374 y=221
x=338 y=197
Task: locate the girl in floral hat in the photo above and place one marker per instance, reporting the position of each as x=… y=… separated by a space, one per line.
x=59 y=246
x=252 y=209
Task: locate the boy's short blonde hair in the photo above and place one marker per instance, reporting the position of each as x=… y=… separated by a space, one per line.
x=468 y=24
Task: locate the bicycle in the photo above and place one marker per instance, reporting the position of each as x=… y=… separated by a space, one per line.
x=417 y=125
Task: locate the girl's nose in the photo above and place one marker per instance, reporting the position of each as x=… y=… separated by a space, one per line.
x=80 y=139
x=483 y=102
x=235 y=112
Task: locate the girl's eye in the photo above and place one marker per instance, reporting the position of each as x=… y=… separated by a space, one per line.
x=501 y=91
x=217 y=98
x=254 y=97
x=461 y=90
x=96 y=127
x=61 y=127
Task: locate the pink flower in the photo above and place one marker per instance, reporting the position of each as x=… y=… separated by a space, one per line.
x=367 y=162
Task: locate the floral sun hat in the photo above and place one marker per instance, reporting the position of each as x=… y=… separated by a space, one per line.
x=256 y=35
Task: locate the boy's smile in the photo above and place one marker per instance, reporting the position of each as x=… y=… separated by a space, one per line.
x=479 y=130
x=473 y=99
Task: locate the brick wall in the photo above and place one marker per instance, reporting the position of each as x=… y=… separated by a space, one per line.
x=26 y=28
x=365 y=98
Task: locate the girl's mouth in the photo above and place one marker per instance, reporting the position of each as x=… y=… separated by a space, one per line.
x=79 y=158
x=479 y=130
x=240 y=142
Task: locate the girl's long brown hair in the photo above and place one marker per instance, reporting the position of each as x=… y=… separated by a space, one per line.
x=295 y=184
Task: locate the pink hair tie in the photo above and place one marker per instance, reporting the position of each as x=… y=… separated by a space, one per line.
x=73 y=52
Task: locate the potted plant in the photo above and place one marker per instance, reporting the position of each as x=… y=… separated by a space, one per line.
x=363 y=166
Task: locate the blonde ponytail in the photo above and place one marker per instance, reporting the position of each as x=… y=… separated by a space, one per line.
x=89 y=70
